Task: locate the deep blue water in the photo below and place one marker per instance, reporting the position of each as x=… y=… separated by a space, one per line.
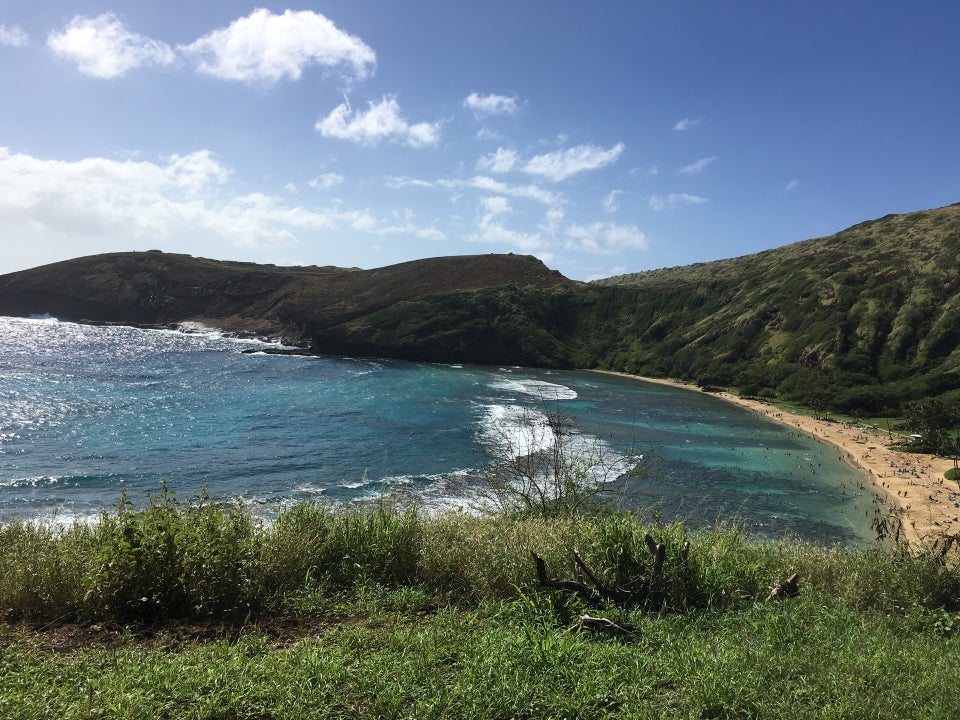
x=86 y=412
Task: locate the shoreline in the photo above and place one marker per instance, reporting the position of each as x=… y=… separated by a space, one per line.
x=910 y=485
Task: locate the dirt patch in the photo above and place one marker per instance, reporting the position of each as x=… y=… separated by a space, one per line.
x=70 y=638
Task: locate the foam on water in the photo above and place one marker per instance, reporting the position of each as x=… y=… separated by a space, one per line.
x=539 y=389
x=511 y=431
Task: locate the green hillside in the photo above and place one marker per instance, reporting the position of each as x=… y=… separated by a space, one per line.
x=858 y=320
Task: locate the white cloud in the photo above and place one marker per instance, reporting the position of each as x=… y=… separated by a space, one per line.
x=196 y=171
x=527 y=192
x=13 y=36
x=486 y=134
x=562 y=164
x=612 y=272
x=484 y=106
x=397 y=182
x=108 y=199
x=63 y=209
x=501 y=161
x=611 y=203
x=326 y=181
x=662 y=203
x=263 y=47
x=402 y=224
x=551 y=221
x=495 y=205
x=103 y=47
x=625 y=236
x=792 y=185
x=698 y=167
x=687 y=123
x=650 y=171
x=381 y=121
x=494 y=233
x=604 y=238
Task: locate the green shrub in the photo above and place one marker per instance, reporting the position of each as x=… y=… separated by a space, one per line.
x=173 y=560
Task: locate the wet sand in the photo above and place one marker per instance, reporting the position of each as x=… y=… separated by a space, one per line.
x=911 y=486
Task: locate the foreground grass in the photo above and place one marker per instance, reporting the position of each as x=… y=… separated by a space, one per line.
x=393 y=614
x=811 y=657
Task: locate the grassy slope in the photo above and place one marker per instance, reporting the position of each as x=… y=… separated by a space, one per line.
x=381 y=613
x=380 y=655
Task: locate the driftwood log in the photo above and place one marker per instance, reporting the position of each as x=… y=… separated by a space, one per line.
x=607 y=626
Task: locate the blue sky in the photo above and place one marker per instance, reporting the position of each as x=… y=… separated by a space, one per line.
x=603 y=137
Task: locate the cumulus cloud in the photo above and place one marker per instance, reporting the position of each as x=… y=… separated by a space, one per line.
x=698 y=167
x=263 y=47
x=605 y=238
x=196 y=171
x=501 y=161
x=381 y=121
x=662 y=203
x=686 y=124
x=13 y=36
x=103 y=47
x=484 y=106
x=562 y=164
x=105 y=198
x=181 y=199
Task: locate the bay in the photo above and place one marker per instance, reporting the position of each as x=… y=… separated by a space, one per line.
x=87 y=412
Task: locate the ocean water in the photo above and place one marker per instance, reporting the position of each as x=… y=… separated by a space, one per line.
x=89 y=412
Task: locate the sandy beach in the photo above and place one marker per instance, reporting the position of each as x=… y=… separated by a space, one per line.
x=911 y=485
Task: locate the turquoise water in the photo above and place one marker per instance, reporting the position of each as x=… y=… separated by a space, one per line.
x=87 y=412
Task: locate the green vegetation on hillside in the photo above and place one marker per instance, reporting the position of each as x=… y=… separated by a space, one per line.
x=192 y=610
x=857 y=322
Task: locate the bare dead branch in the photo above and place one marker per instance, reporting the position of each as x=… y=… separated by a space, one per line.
x=616 y=595
x=651 y=544
x=573 y=586
x=782 y=590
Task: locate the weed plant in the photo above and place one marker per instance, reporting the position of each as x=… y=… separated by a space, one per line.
x=200 y=559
